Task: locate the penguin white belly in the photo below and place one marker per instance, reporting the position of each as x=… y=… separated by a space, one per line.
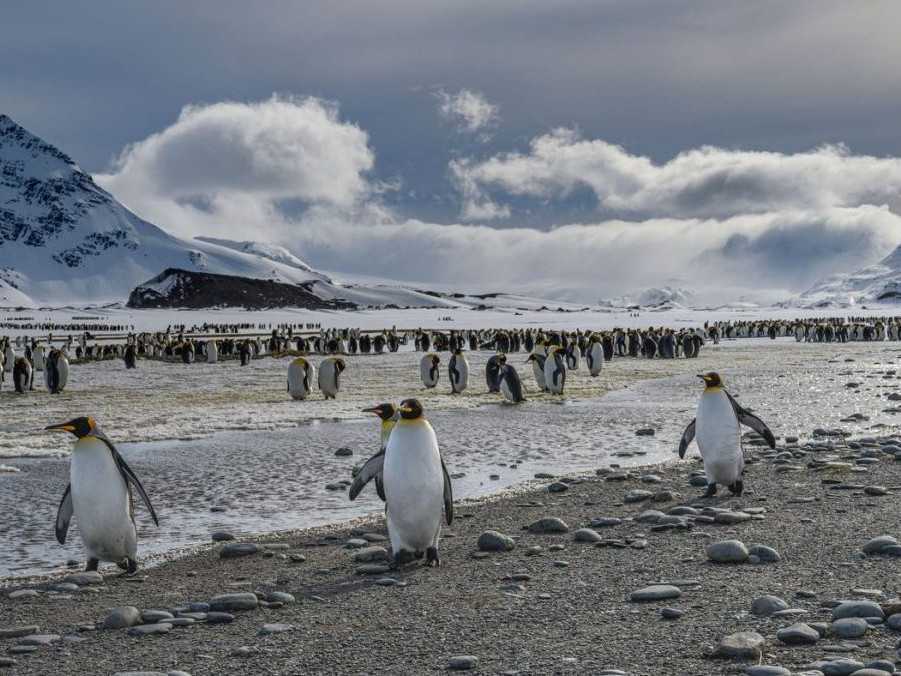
x=328 y=379
x=719 y=438
x=506 y=391
x=298 y=370
x=550 y=367
x=538 y=372
x=414 y=486
x=212 y=353
x=38 y=358
x=425 y=372
x=460 y=380
x=597 y=358
x=100 y=502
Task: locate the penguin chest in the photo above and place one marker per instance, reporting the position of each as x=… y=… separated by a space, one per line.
x=719 y=438
x=506 y=390
x=101 y=502
x=414 y=485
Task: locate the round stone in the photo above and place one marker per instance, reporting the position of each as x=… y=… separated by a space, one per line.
x=549 y=525
x=727 y=551
x=743 y=645
x=657 y=592
x=764 y=606
x=494 y=541
x=586 y=535
x=862 y=609
x=849 y=627
x=798 y=634
x=462 y=662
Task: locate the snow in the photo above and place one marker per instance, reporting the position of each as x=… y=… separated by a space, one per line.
x=861 y=286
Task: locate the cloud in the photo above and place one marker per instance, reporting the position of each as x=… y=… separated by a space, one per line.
x=706 y=182
x=245 y=158
x=470 y=111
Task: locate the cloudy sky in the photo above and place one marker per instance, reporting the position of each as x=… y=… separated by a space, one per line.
x=582 y=149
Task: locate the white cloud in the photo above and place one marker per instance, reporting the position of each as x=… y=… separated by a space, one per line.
x=469 y=110
x=706 y=182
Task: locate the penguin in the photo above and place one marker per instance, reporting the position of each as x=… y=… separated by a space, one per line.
x=428 y=370
x=458 y=371
x=187 y=352
x=417 y=486
x=130 y=357
x=300 y=378
x=538 y=360
x=212 y=352
x=717 y=430
x=9 y=357
x=573 y=357
x=37 y=357
x=372 y=468
x=99 y=496
x=555 y=371
x=595 y=356
x=56 y=371
x=511 y=385
x=22 y=375
x=246 y=353
x=330 y=370
x=493 y=371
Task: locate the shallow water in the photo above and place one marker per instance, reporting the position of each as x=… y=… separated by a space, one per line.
x=267 y=460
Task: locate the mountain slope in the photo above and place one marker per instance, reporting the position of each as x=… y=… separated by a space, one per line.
x=876 y=283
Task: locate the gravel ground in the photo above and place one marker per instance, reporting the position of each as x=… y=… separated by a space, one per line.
x=550 y=605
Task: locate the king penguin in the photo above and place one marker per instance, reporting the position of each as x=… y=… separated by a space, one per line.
x=493 y=371
x=555 y=371
x=458 y=371
x=99 y=496
x=428 y=369
x=538 y=360
x=594 y=356
x=511 y=385
x=372 y=468
x=56 y=371
x=130 y=357
x=300 y=378
x=212 y=352
x=22 y=375
x=717 y=431
x=417 y=486
x=330 y=370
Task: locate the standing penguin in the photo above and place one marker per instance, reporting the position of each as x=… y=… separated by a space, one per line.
x=717 y=430
x=99 y=496
x=538 y=360
x=212 y=352
x=417 y=486
x=458 y=371
x=56 y=371
x=330 y=370
x=372 y=468
x=22 y=375
x=595 y=356
x=555 y=371
x=493 y=371
x=245 y=352
x=428 y=369
x=300 y=378
x=511 y=385
x=573 y=356
x=130 y=357
x=37 y=357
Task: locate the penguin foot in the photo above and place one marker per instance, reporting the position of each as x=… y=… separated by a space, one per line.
x=131 y=567
x=431 y=557
x=737 y=488
x=91 y=566
x=711 y=491
x=401 y=558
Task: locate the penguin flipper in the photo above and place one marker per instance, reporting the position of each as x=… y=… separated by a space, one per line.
x=748 y=419
x=371 y=469
x=687 y=437
x=131 y=479
x=64 y=515
x=448 y=495
x=380 y=487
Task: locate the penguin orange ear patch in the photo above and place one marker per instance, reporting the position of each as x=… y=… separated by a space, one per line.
x=92 y=422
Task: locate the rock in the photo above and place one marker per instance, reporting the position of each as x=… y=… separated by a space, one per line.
x=84 y=579
x=731 y=518
x=605 y=522
x=7 y=662
x=232 y=602
x=370 y=554
x=221 y=536
x=671 y=613
x=120 y=618
x=494 y=541
x=152 y=616
x=862 y=609
x=150 y=629
x=586 y=535
x=743 y=645
x=275 y=628
x=767 y=670
x=214 y=617
x=764 y=606
x=877 y=545
x=876 y=491
x=893 y=623
x=38 y=639
x=727 y=551
x=549 y=525
x=462 y=663
x=557 y=487
x=637 y=495
x=23 y=594
x=841 y=667
x=234 y=550
x=343 y=452
x=280 y=597
x=764 y=554
x=644 y=432
x=849 y=627
x=372 y=569
x=657 y=592
x=798 y=634
x=25 y=630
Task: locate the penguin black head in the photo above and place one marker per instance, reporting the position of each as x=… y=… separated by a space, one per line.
x=501 y=359
x=80 y=427
x=383 y=411
x=711 y=379
x=410 y=409
x=436 y=360
x=340 y=365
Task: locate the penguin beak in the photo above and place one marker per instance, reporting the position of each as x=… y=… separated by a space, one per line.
x=374 y=409
x=62 y=427
x=702 y=377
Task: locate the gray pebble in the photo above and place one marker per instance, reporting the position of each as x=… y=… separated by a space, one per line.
x=462 y=662
x=120 y=618
x=494 y=541
x=232 y=602
x=727 y=551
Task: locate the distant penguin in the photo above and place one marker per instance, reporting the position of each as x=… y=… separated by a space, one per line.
x=458 y=372
x=38 y=357
x=22 y=375
x=511 y=385
x=718 y=432
x=417 y=487
x=99 y=496
x=245 y=352
x=594 y=357
x=130 y=357
x=56 y=371
x=9 y=357
x=493 y=371
x=428 y=369
x=187 y=352
x=212 y=352
x=538 y=360
x=330 y=370
x=372 y=468
x=555 y=371
x=300 y=378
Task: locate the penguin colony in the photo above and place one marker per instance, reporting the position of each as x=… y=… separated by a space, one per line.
x=408 y=471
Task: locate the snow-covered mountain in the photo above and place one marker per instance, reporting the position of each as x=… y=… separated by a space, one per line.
x=880 y=283
x=666 y=297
